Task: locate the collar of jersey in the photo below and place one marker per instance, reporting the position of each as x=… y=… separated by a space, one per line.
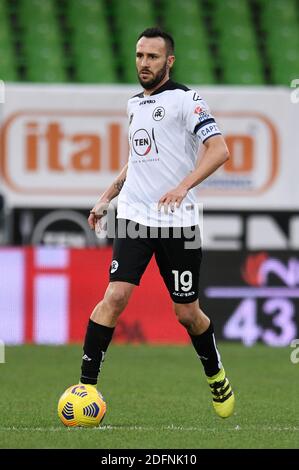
x=169 y=85
x=164 y=87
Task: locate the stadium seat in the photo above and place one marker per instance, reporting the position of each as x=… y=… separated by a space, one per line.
x=130 y=18
x=278 y=12
x=193 y=60
x=45 y=67
x=95 y=67
x=94 y=40
x=8 y=69
x=84 y=11
x=34 y=11
x=279 y=21
x=236 y=41
x=90 y=40
x=42 y=41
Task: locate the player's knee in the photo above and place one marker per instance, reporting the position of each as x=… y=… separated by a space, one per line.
x=116 y=298
x=185 y=314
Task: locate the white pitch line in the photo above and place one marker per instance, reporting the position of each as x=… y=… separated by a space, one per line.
x=170 y=427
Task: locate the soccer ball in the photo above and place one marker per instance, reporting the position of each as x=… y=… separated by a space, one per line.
x=81 y=405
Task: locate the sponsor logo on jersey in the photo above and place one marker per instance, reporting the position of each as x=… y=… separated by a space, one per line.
x=141 y=142
x=114 y=266
x=203 y=116
x=197 y=110
x=147 y=102
x=183 y=294
x=158 y=113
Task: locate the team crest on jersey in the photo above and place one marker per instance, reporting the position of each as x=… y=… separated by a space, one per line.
x=114 y=266
x=158 y=113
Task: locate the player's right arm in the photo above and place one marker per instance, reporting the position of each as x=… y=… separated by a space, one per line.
x=101 y=206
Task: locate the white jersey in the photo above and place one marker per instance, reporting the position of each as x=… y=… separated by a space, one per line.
x=165 y=130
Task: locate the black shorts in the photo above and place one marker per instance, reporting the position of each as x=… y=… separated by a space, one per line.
x=177 y=252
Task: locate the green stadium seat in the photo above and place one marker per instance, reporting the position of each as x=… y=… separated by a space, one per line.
x=94 y=64
x=35 y=11
x=98 y=72
x=42 y=41
x=279 y=21
x=239 y=56
x=5 y=37
x=193 y=60
x=91 y=34
x=2 y=9
x=8 y=69
x=46 y=73
x=128 y=9
x=243 y=66
x=180 y=13
x=193 y=75
x=278 y=12
x=131 y=18
x=90 y=40
x=42 y=32
x=84 y=11
x=229 y=12
x=238 y=36
x=45 y=66
x=286 y=67
x=239 y=75
x=97 y=56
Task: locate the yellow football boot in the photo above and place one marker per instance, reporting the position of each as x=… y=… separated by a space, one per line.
x=223 y=396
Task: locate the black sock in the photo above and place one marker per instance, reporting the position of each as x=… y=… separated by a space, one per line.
x=97 y=340
x=206 y=348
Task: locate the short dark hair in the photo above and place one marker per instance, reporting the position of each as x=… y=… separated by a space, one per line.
x=159 y=33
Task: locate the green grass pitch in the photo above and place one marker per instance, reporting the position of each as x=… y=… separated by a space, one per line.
x=157 y=397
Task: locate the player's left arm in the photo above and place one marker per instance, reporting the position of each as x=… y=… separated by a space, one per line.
x=215 y=154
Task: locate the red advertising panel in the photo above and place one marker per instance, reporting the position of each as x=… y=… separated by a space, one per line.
x=48 y=294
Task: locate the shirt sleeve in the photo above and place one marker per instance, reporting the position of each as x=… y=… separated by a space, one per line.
x=197 y=116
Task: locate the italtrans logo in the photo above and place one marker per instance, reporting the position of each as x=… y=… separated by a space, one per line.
x=76 y=153
x=63 y=152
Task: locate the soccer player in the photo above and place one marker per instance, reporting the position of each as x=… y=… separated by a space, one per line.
x=167 y=123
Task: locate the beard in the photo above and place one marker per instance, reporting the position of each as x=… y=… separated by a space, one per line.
x=148 y=85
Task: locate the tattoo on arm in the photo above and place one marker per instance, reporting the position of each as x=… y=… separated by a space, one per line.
x=119 y=184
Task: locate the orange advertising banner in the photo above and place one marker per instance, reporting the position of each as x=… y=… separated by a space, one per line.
x=63 y=145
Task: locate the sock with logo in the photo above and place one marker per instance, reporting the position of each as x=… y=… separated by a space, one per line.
x=97 y=340
x=205 y=346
